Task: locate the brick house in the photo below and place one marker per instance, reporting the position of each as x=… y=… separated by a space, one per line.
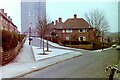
x=76 y=29
x=6 y=22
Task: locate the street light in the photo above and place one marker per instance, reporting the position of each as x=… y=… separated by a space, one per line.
x=30 y=38
x=103 y=39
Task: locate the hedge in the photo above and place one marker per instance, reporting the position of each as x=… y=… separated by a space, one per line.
x=10 y=40
x=6 y=40
x=21 y=37
x=74 y=42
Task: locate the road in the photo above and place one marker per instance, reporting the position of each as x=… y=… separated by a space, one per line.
x=89 y=65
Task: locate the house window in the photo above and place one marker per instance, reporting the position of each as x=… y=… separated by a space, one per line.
x=63 y=31
x=82 y=38
x=81 y=30
x=67 y=38
x=86 y=30
x=69 y=31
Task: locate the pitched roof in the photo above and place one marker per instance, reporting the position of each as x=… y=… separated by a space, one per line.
x=75 y=23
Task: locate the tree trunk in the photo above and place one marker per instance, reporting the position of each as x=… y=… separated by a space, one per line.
x=47 y=45
x=43 y=46
x=40 y=43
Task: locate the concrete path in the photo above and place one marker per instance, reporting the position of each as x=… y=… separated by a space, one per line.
x=26 y=54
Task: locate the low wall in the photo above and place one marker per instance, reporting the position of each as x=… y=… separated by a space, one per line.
x=10 y=55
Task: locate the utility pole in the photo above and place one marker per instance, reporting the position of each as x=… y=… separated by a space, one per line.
x=30 y=39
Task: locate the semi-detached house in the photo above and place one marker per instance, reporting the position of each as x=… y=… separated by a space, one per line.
x=74 y=29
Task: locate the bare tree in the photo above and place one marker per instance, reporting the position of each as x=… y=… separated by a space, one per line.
x=97 y=20
x=43 y=30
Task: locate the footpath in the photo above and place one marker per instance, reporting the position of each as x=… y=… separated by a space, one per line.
x=30 y=60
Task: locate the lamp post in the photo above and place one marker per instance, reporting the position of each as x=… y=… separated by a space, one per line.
x=30 y=39
x=103 y=39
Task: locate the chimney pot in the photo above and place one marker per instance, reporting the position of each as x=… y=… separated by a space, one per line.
x=60 y=19
x=2 y=10
x=5 y=14
x=53 y=22
x=75 y=15
x=8 y=17
x=56 y=21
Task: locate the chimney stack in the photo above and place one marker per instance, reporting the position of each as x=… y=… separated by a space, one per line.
x=60 y=19
x=9 y=18
x=53 y=22
x=56 y=21
x=2 y=10
x=5 y=14
x=75 y=15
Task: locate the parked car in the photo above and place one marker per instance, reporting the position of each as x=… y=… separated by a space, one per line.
x=114 y=45
x=118 y=47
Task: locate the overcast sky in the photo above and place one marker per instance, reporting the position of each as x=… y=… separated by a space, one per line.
x=66 y=9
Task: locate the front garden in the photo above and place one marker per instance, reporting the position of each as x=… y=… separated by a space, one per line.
x=88 y=45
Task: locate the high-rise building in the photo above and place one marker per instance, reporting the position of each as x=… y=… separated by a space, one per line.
x=31 y=12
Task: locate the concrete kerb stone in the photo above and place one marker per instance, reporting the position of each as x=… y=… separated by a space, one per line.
x=54 y=56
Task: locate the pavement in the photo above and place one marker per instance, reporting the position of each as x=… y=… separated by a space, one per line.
x=30 y=60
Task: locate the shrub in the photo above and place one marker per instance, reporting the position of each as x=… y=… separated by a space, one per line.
x=6 y=46
x=9 y=40
x=6 y=40
x=6 y=36
x=14 y=40
x=74 y=42
x=20 y=37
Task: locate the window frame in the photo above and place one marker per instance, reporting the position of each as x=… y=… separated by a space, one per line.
x=68 y=30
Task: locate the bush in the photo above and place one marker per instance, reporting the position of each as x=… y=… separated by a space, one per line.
x=9 y=40
x=21 y=37
x=14 y=40
x=6 y=36
x=6 y=40
x=100 y=45
x=74 y=42
x=6 y=46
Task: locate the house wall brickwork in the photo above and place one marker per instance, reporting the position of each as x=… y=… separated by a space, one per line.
x=6 y=22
